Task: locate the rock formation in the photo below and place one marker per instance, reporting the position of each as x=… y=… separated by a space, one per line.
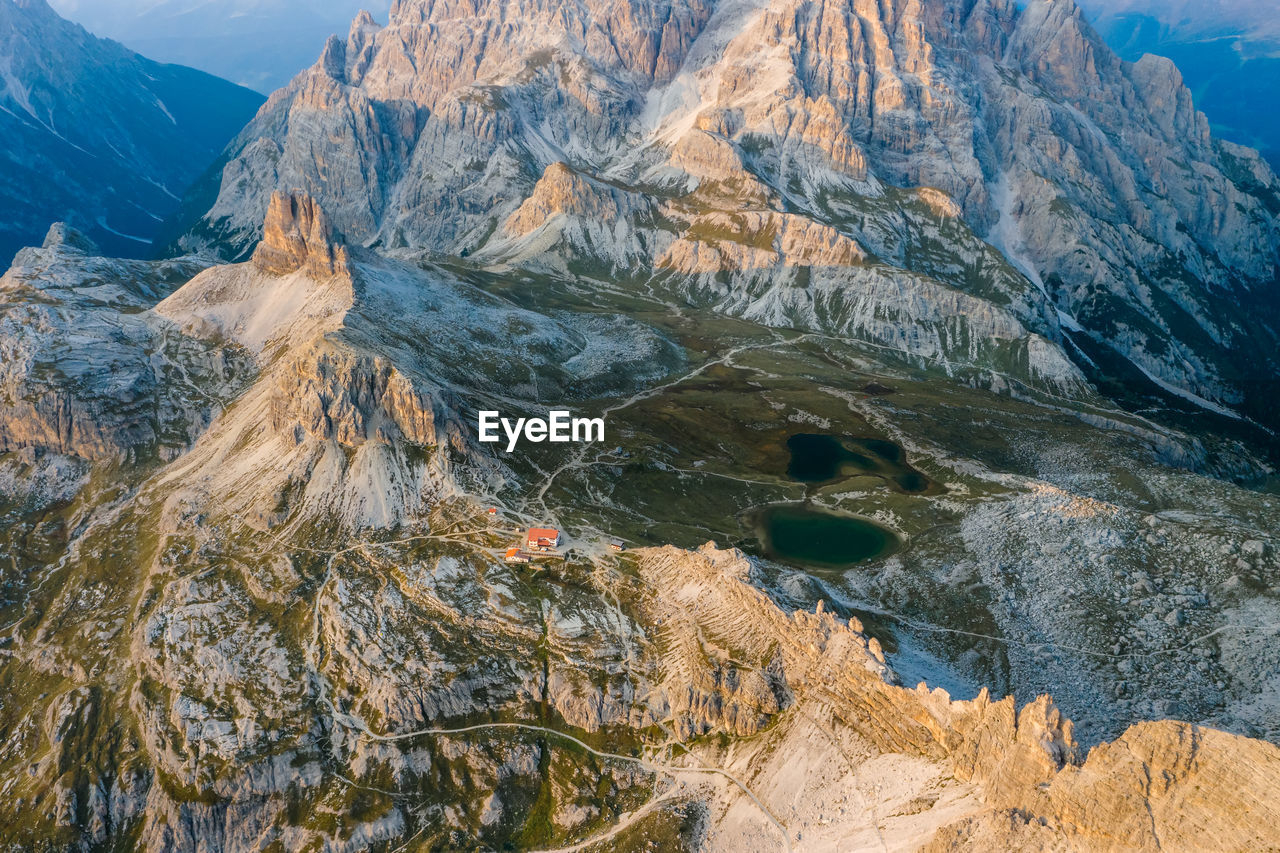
x=252 y=597
x=1162 y=785
x=84 y=371
x=1121 y=219
x=296 y=235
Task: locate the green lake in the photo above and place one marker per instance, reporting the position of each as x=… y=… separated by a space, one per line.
x=808 y=535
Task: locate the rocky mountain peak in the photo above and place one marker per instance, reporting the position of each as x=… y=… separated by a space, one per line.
x=296 y=235
x=62 y=235
x=359 y=46
x=561 y=190
x=1095 y=178
x=364 y=25
x=334 y=58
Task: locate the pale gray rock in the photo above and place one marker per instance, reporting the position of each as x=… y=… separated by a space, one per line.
x=1123 y=225
x=86 y=371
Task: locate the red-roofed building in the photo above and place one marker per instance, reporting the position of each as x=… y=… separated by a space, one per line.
x=515 y=555
x=543 y=539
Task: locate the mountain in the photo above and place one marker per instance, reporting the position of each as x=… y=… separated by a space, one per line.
x=1131 y=241
x=930 y=341
x=261 y=44
x=97 y=135
x=1228 y=51
x=1252 y=20
x=254 y=599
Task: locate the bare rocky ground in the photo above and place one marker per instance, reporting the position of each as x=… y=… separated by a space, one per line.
x=252 y=598
x=295 y=629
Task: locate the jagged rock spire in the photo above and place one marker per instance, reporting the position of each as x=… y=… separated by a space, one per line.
x=296 y=235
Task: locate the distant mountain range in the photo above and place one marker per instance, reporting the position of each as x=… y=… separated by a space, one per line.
x=1228 y=52
x=97 y=135
x=261 y=44
x=1255 y=20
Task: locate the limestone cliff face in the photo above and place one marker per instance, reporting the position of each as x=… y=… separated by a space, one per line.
x=351 y=399
x=452 y=43
x=1096 y=179
x=296 y=235
x=570 y=218
x=1160 y=786
x=297 y=285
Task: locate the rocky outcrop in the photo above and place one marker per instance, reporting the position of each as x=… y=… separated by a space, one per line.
x=61 y=235
x=297 y=285
x=350 y=399
x=569 y=218
x=86 y=370
x=561 y=192
x=326 y=432
x=296 y=235
x=732 y=659
x=1161 y=785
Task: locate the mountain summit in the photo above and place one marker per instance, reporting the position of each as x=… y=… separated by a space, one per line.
x=1138 y=246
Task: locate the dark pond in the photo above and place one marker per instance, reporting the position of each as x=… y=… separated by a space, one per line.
x=827 y=458
x=803 y=533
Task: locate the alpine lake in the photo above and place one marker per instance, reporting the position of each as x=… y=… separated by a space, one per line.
x=722 y=454
x=809 y=535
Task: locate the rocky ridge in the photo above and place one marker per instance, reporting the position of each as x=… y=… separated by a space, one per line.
x=1035 y=783
x=1123 y=225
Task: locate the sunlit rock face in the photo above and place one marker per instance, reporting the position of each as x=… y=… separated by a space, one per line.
x=296 y=235
x=1116 y=212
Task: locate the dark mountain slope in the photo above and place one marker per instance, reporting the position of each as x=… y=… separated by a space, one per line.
x=98 y=135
